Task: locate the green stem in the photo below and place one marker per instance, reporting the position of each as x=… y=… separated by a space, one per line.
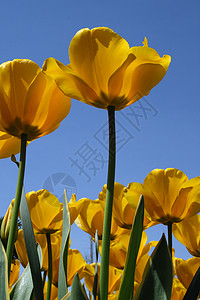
x=169 y=227
x=13 y=226
x=104 y=270
x=48 y=295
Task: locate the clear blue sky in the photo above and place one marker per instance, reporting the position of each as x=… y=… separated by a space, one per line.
x=165 y=135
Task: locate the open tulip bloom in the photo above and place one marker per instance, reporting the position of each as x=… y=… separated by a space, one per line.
x=104 y=71
x=30 y=103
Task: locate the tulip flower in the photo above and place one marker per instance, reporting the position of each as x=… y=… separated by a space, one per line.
x=75 y=264
x=168 y=195
x=42 y=241
x=91 y=216
x=5 y=225
x=123 y=212
x=115 y=276
x=119 y=247
x=104 y=71
x=187 y=232
x=30 y=103
x=186 y=269
x=46 y=211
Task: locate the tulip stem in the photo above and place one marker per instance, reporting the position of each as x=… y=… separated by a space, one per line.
x=104 y=270
x=169 y=227
x=48 y=237
x=13 y=226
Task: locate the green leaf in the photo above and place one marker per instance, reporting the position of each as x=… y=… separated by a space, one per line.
x=77 y=291
x=94 y=292
x=4 y=290
x=31 y=248
x=62 y=275
x=158 y=275
x=127 y=284
x=24 y=286
x=194 y=287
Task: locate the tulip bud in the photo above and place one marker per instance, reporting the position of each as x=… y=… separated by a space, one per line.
x=5 y=225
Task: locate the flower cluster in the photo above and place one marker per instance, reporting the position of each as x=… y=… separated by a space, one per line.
x=46 y=215
x=105 y=72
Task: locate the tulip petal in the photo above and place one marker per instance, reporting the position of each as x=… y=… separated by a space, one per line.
x=96 y=54
x=46 y=105
x=9 y=145
x=69 y=82
x=146 y=71
x=15 y=77
x=152 y=206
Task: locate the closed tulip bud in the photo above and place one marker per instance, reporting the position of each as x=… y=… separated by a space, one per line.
x=5 y=225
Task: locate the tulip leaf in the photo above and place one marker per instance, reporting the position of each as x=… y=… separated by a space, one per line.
x=94 y=292
x=77 y=291
x=4 y=290
x=23 y=288
x=127 y=284
x=31 y=248
x=194 y=287
x=62 y=276
x=158 y=275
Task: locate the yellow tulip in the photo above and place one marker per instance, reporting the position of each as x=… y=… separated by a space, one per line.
x=169 y=196
x=123 y=212
x=56 y=239
x=115 y=276
x=45 y=210
x=5 y=225
x=75 y=264
x=188 y=233
x=30 y=103
x=90 y=218
x=186 y=269
x=104 y=71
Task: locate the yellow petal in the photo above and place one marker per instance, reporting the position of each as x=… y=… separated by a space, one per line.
x=152 y=206
x=14 y=273
x=69 y=82
x=96 y=54
x=145 y=72
x=116 y=79
x=21 y=248
x=15 y=77
x=75 y=263
x=8 y=145
x=46 y=105
x=187 y=232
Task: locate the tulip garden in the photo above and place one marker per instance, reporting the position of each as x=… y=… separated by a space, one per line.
x=105 y=72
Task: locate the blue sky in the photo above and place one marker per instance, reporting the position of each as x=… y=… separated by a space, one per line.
x=163 y=132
